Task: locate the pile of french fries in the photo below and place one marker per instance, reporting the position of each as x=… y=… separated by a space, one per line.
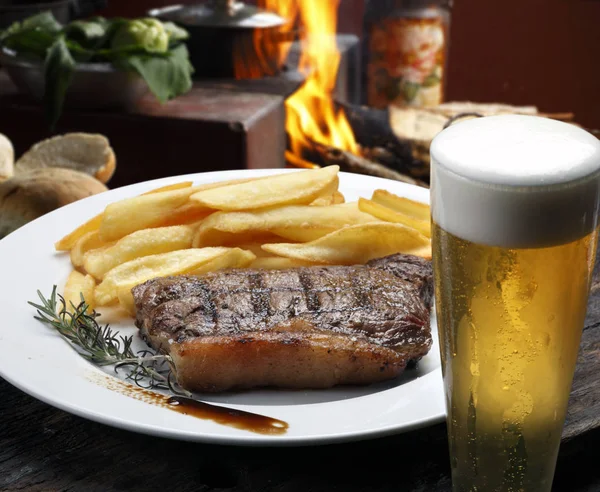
x=273 y=222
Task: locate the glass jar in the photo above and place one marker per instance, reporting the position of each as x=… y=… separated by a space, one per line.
x=405 y=51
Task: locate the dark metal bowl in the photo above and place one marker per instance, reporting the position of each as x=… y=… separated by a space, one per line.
x=94 y=85
x=226 y=46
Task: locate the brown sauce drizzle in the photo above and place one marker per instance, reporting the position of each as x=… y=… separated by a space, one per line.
x=239 y=419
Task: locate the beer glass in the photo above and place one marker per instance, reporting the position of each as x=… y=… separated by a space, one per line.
x=514 y=204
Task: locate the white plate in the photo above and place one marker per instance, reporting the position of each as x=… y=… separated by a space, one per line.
x=39 y=362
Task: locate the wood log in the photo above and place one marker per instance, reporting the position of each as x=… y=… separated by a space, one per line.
x=377 y=139
x=353 y=163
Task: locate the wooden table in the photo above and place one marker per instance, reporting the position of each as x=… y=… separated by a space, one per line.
x=45 y=449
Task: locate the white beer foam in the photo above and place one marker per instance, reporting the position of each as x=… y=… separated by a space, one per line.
x=515 y=181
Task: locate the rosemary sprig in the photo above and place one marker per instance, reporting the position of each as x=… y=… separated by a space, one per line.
x=103 y=346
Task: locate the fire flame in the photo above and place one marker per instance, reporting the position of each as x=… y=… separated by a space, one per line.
x=311 y=114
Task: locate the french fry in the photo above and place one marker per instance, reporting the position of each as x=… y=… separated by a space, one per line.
x=338 y=197
x=156 y=209
x=334 y=199
x=186 y=214
x=294 y=222
x=357 y=244
x=142 y=212
x=230 y=239
x=327 y=196
x=126 y=301
x=322 y=201
x=403 y=205
x=171 y=187
x=256 y=247
x=137 y=245
x=234 y=258
x=324 y=221
x=388 y=215
x=77 y=285
x=134 y=272
x=228 y=182
x=67 y=242
x=277 y=263
x=173 y=208
x=300 y=188
x=206 y=186
x=89 y=241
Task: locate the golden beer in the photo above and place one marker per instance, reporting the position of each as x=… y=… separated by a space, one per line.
x=512 y=323
x=514 y=203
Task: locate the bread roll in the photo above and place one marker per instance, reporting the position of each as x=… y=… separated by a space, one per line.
x=34 y=193
x=86 y=152
x=7 y=158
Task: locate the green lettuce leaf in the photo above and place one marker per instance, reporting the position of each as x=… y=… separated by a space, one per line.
x=176 y=33
x=167 y=76
x=89 y=34
x=30 y=44
x=32 y=36
x=44 y=21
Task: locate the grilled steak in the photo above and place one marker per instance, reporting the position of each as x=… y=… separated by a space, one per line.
x=311 y=327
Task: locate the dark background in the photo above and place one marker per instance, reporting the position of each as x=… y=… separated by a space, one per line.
x=540 y=52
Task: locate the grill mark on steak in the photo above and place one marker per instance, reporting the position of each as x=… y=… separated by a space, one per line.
x=258 y=295
x=309 y=293
x=301 y=327
x=209 y=301
x=362 y=298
